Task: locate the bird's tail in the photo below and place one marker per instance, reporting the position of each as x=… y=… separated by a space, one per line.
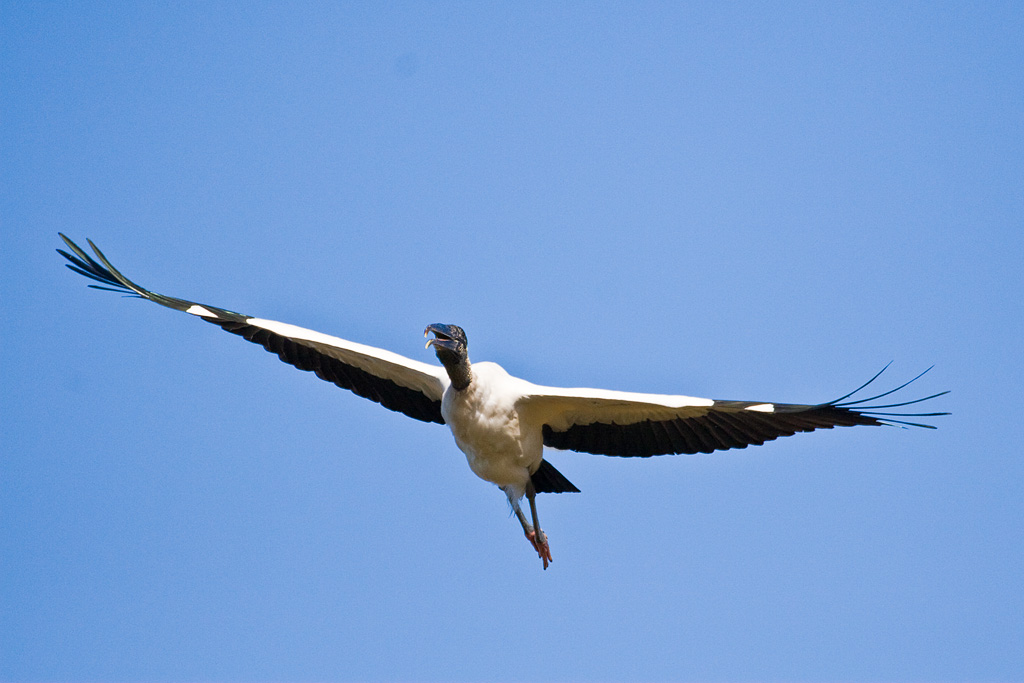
x=549 y=480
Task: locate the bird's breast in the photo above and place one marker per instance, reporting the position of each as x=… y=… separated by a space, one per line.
x=486 y=425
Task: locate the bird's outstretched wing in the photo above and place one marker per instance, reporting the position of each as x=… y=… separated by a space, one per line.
x=396 y=382
x=641 y=425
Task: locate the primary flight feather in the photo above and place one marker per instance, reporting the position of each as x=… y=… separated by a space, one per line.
x=502 y=423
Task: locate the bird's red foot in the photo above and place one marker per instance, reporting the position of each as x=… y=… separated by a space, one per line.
x=541 y=546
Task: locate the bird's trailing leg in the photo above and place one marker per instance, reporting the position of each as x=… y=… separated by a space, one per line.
x=533 y=532
x=540 y=539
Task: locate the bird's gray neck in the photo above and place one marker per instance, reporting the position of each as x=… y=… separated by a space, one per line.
x=459 y=373
x=457 y=367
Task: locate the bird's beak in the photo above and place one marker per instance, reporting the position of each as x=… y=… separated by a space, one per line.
x=442 y=338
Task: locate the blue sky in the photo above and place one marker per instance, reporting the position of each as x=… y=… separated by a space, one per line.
x=732 y=200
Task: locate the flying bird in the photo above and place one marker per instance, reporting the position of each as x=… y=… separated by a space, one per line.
x=502 y=423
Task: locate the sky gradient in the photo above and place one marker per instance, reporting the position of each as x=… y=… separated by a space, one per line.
x=731 y=200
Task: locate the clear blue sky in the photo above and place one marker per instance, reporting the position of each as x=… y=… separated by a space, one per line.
x=732 y=200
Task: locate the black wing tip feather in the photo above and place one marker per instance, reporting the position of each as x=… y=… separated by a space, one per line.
x=112 y=280
x=101 y=270
x=84 y=264
x=878 y=412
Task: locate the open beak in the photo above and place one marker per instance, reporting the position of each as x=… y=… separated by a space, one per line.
x=442 y=337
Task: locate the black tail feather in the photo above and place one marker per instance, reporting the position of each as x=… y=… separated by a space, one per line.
x=549 y=480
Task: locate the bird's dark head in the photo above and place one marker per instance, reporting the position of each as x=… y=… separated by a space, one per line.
x=452 y=350
x=448 y=341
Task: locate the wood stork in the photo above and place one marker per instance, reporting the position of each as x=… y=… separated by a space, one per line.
x=502 y=423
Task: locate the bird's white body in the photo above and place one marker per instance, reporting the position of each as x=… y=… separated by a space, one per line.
x=501 y=446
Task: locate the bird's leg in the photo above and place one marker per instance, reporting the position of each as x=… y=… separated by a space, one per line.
x=527 y=529
x=539 y=539
x=531 y=535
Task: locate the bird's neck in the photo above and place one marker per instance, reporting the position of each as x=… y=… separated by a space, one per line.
x=458 y=369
